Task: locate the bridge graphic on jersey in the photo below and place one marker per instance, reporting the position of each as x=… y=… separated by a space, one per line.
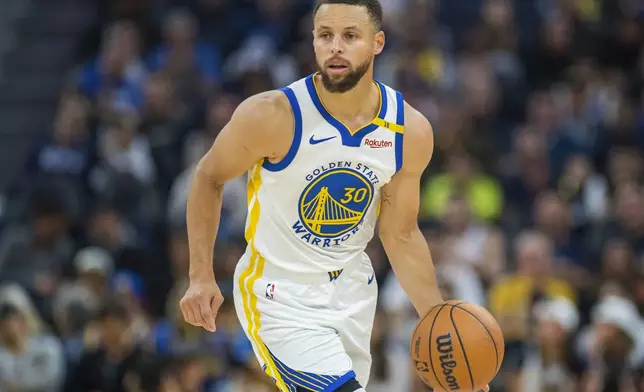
x=324 y=210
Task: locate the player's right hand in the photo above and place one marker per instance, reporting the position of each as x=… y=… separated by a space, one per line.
x=201 y=303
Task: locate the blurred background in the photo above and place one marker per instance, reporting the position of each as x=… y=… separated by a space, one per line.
x=533 y=205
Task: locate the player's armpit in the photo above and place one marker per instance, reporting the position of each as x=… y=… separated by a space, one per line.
x=261 y=127
x=404 y=244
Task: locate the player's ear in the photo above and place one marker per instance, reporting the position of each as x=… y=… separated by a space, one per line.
x=379 y=43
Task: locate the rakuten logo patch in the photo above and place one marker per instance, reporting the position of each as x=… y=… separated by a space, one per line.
x=375 y=143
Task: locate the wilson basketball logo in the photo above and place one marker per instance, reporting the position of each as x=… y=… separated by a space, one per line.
x=445 y=348
x=375 y=143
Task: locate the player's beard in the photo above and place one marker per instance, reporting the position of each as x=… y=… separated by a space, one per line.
x=347 y=82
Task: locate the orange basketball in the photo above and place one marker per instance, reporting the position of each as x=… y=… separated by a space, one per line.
x=457 y=346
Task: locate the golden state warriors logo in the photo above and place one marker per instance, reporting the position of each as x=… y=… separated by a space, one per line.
x=334 y=202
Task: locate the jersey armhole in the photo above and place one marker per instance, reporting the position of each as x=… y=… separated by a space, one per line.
x=297 y=135
x=400 y=120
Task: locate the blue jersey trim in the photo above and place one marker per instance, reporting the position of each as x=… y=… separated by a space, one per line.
x=313 y=382
x=297 y=135
x=400 y=120
x=340 y=382
x=348 y=139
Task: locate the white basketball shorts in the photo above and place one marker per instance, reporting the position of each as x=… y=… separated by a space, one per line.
x=311 y=332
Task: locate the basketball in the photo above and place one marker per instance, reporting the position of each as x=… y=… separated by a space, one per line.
x=457 y=346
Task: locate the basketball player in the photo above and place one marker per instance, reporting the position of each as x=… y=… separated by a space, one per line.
x=326 y=157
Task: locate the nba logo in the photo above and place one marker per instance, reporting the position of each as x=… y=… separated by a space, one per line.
x=270 y=290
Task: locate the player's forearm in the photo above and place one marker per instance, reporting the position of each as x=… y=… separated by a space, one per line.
x=411 y=261
x=203 y=214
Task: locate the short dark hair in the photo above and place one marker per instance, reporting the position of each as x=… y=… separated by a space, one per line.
x=373 y=7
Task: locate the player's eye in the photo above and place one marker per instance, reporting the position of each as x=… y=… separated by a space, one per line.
x=325 y=35
x=350 y=36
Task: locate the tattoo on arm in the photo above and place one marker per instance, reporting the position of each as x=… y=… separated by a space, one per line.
x=386 y=197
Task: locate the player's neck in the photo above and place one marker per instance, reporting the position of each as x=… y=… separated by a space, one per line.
x=351 y=103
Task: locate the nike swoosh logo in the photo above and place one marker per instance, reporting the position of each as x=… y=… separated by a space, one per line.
x=373 y=276
x=318 y=141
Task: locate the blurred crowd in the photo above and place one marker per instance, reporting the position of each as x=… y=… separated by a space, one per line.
x=533 y=205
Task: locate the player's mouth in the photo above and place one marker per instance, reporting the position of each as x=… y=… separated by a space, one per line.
x=337 y=68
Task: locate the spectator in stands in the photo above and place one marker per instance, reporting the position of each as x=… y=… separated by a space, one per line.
x=165 y=122
x=179 y=254
x=482 y=192
x=193 y=65
x=220 y=111
x=76 y=301
x=115 y=78
x=612 y=346
x=234 y=208
x=480 y=96
x=534 y=279
x=191 y=370
x=105 y=368
x=226 y=349
x=66 y=151
x=126 y=173
x=586 y=191
x=618 y=264
x=15 y=295
x=625 y=166
x=500 y=21
x=124 y=151
x=552 y=217
x=195 y=146
x=64 y=158
x=128 y=288
x=128 y=244
x=108 y=229
x=94 y=266
x=36 y=255
x=471 y=243
x=27 y=363
x=552 y=55
x=549 y=363
x=526 y=174
x=629 y=216
x=512 y=299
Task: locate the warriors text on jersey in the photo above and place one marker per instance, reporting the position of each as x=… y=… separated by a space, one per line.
x=316 y=209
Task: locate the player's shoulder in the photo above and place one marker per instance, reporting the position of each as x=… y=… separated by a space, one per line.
x=265 y=107
x=418 y=144
x=417 y=126
x=265 y=119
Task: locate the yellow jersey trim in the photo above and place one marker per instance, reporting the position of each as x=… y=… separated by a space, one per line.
x=252 y=274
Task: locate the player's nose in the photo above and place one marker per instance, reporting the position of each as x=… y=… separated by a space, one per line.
x=337 y=46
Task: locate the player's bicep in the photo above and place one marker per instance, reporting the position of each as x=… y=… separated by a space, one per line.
x=251 y=135
x=401 y=197
x=231 y=154
x=399 y=206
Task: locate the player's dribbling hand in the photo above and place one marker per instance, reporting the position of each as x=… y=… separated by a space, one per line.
x=201 y=303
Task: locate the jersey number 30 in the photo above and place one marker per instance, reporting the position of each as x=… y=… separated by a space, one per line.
x=353 y=194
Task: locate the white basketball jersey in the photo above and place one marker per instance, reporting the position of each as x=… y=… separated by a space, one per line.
x=316 y=209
